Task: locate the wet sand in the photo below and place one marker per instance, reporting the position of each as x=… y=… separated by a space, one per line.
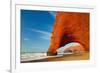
x=83 y=56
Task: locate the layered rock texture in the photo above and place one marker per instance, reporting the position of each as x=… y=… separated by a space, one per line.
x=70 y=27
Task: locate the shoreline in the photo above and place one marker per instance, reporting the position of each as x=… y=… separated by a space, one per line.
x=71 y=57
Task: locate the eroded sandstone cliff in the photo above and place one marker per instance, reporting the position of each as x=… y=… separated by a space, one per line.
x=69 y=27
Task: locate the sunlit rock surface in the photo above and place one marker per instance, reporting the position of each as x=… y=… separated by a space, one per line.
x=70 y=27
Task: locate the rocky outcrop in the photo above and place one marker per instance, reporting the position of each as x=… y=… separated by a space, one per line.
x=69 y=27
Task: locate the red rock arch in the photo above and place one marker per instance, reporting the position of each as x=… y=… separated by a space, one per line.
x=69 y=27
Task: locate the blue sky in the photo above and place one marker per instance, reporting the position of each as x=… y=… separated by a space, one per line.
x=36 y=28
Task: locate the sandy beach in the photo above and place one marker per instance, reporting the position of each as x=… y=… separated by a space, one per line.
x=70 y=57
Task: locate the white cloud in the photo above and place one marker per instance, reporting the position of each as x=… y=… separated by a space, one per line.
x=42 y=32
x=53 y=14
x=45 y=35
x=26 y=39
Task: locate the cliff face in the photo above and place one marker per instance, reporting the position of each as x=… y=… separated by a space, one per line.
x=69 y=27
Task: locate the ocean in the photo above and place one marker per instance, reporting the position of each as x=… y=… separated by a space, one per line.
x=38 y=56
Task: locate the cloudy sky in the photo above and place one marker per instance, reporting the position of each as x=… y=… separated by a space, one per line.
x=36 y=28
